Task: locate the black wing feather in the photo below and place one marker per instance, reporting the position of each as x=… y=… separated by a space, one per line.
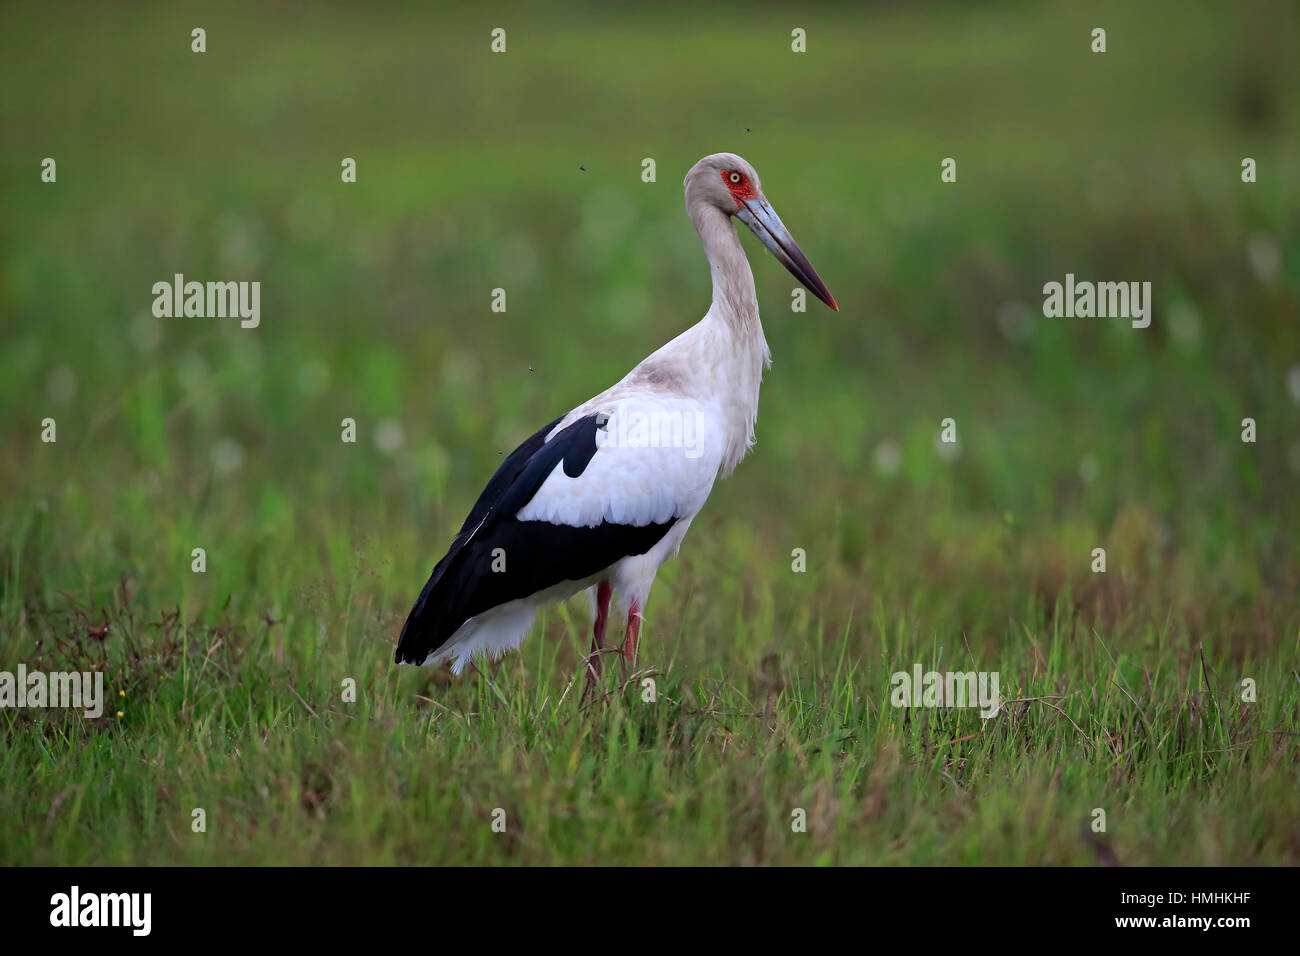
x=538 y=554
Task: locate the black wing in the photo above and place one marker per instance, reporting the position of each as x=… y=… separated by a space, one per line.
x=538 y=554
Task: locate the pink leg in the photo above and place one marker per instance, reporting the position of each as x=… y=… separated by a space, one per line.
x=633 y=632
x=598 y=630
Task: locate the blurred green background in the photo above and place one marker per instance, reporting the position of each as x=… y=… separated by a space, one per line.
x=522 y=171
x=375 y=296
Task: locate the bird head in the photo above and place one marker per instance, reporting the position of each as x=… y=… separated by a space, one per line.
x=728 y=182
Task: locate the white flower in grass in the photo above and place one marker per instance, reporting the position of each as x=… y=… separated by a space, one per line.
x=1265 y=257
x=389 y=436
x=227 y=455
x=887 y=457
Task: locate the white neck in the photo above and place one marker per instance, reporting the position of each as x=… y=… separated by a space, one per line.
x=731 y=331
x=734 y=299
x=719 y=360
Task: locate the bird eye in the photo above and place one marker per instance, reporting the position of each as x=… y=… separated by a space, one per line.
x=734 y=177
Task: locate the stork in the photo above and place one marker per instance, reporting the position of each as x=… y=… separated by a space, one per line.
x=598 y=499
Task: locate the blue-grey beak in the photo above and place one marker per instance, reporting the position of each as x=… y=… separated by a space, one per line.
x=760 y=217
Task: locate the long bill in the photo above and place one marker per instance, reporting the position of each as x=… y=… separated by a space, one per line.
x=762 y=219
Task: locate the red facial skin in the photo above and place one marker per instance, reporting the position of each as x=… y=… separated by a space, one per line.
x=740 y=191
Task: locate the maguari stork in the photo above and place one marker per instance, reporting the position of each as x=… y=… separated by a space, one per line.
x=598 y=499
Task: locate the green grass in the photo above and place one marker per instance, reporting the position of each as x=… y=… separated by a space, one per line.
x=772 y=686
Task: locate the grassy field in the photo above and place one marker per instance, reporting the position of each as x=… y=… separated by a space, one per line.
x=522 y=171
